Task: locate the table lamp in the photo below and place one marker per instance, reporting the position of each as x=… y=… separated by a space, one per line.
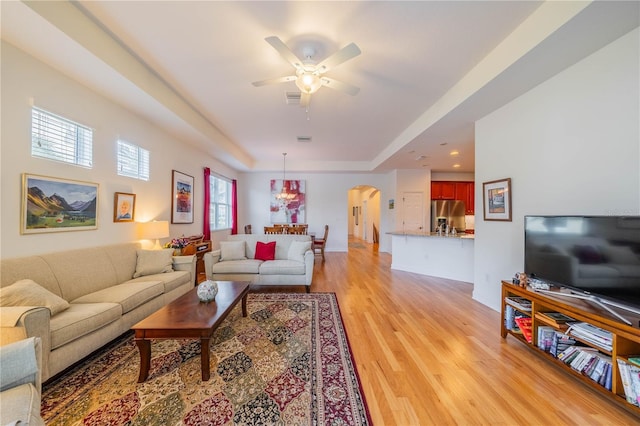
x=155 y=230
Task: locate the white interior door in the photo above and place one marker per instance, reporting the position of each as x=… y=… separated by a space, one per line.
x=413 y=211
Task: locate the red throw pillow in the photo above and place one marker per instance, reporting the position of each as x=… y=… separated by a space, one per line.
x=265 y=251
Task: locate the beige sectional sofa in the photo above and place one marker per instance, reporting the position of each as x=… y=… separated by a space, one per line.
x=236 y=260
x=76 y=301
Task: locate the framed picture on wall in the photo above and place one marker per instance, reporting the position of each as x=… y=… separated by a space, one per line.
x=124 y=207
x=53 y=205
x=496 y=200
x=181 y=198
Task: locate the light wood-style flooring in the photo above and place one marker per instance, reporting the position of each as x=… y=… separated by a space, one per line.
x=428 y=354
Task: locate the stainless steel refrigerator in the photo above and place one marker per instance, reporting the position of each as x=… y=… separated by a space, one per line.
x=448 y=212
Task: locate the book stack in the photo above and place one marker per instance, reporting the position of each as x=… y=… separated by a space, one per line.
x=592 y=334
x=630 y=377
x=546 y=337
x=590 y=362
x=561 y=343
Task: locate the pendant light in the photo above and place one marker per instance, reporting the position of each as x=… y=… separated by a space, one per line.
x=284 y=194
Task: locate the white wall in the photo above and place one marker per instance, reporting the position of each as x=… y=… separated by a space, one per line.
x=327 y=203
x=570 y=146
x=24 y=78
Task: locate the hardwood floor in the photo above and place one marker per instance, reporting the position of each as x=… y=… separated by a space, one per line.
x=428 y=354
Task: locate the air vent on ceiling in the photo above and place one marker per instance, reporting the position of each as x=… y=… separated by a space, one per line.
x=304 y=138
x=292 y=98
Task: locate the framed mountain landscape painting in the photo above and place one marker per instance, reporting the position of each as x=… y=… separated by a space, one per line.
x=53 y=205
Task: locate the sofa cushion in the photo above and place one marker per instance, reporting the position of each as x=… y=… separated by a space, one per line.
x=265 y=251
x=232 y=250
x=282 y=267
x=170 y=280
x=21 y=405
x=29 y=293
x=297 y=249
x=247 y=266
x=81 y=319
x=153 y=262
x=130 y=295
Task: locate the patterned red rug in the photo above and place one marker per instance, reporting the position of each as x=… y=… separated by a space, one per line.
x=288 y=362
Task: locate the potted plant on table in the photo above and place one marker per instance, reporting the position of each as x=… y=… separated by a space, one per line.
x=177 y=244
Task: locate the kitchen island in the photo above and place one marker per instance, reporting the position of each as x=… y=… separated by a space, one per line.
x=426 y=253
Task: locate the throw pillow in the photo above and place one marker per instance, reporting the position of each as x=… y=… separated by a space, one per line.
x=151 y=262
x=297 y=249
x=232 y=250
x=29 y=293
x=265 y=251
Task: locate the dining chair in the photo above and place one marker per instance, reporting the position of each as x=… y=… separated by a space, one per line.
x=296 y=230
x=319 y=243
x=272 y=230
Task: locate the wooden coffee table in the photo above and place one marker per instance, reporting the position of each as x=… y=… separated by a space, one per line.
x=187 y=317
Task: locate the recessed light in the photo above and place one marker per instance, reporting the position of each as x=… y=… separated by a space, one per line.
x=420 y=157
x=443 y=143
x=455 y=166
x=454 y=153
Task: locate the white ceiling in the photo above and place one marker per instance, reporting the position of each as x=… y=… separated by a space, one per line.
x=427 y=70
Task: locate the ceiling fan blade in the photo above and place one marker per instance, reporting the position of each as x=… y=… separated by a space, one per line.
x=284 y=51
x=343 y=55
x=338 y=85
x=305 y=99
x=274 y=80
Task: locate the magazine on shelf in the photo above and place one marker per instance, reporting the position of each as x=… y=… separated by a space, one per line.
x=628 y=386
x=519 y=302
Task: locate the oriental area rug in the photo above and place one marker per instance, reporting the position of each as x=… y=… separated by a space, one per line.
x=287 y=363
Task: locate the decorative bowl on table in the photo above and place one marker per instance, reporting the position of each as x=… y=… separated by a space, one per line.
x=207 y=291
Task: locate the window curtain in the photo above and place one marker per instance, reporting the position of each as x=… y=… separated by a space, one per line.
x=206 y=226
x=234 y=207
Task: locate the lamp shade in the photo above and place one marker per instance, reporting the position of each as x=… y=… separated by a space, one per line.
x=155 y=230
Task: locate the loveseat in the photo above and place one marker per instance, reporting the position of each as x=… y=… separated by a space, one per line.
x=77 y=301
x=243 y=258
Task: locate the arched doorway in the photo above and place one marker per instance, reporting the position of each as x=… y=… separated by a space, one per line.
x=363 y=214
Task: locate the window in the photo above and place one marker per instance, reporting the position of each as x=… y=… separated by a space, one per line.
x=133 y=161
x=56 y=138
x=220 y=207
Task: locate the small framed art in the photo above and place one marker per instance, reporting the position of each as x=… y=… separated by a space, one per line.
x=496 y=200
x=181 y=198
x=124 y=207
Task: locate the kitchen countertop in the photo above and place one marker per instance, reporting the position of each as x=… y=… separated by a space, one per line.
x=461 y=235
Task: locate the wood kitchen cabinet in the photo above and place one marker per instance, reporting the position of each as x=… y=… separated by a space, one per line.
x=443 y=191
x=463 y=191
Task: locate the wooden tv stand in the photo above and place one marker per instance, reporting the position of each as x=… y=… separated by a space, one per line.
x=625 y=342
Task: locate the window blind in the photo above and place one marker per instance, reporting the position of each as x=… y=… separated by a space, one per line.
x=133 y=161
x=56 y=138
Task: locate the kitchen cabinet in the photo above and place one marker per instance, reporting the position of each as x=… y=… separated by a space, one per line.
x=463 y=191
x=469 y=201
x=443 y=191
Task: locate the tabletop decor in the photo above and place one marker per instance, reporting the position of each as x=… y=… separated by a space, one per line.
x=177 y=244
x=52 y=204
x=182 y=198
x=207 y=291
x=288 y=362
x=496 y=200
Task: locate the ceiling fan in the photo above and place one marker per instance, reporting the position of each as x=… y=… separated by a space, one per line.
x=310 y=75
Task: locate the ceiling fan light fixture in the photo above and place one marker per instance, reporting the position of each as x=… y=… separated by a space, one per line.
x=307 y=81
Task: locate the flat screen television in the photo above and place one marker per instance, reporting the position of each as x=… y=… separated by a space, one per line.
x=592 y=255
